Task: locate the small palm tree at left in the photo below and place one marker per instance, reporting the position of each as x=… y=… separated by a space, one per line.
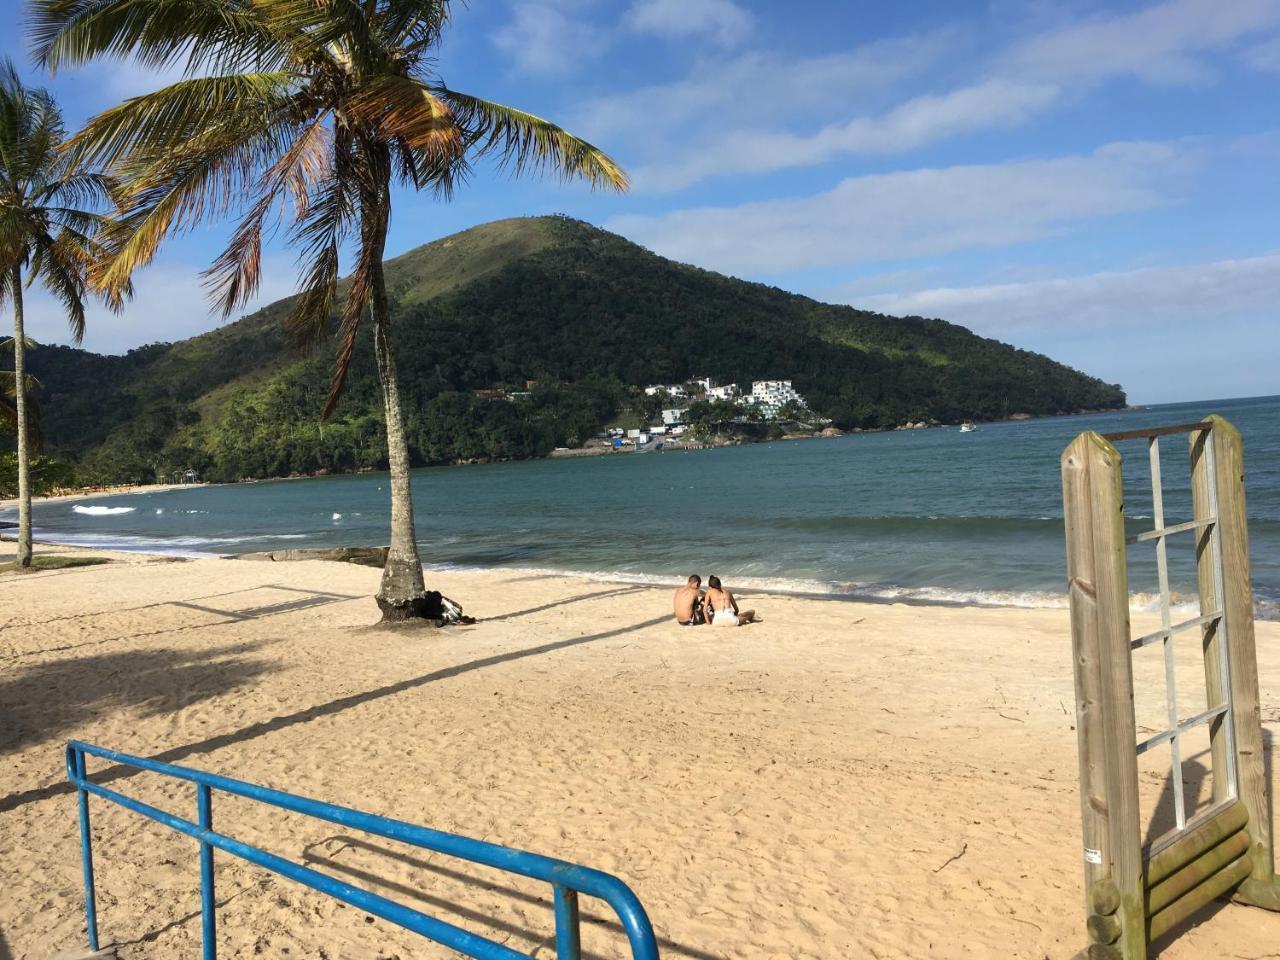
x=48 y=233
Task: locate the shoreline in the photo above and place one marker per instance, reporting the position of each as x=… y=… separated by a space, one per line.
x=11 y=503
x=747 y=586
x=925 y=596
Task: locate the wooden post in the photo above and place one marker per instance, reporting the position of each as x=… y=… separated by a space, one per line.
x=1213 y=637
x=1236 y=603
x=1093 y=507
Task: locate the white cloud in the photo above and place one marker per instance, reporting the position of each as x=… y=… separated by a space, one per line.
x=722 y=21
x=1160 y=44
x=913 y=124
x=555 y=37
x=170 y=304
x=1159 y=296
x=1170 y=42
x=550 y=37
x=918 y=213
x=1167 y=333
x=661 y=114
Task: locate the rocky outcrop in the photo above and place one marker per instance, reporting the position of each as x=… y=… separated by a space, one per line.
x=366 y=556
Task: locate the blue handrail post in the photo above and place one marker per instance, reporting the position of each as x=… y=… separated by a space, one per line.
x=75 y=761
x=568 y=932
x=209 y=935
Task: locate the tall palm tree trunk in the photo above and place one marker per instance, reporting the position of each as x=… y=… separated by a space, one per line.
x=403 y=594
x=20 y=403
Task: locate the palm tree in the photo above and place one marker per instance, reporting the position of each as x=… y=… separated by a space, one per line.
x=308 y=110
x=44 y=234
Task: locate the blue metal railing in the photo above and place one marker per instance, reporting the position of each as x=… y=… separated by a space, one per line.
x=567 y=880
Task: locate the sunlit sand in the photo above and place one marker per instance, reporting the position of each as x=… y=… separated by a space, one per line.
x=841 y=780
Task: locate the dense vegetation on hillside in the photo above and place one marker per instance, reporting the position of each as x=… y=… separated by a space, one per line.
x=582 y=312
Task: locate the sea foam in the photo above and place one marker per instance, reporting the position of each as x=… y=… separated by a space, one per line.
x=102 y=511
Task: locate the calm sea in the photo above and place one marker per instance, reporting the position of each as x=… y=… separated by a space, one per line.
x=929 y=514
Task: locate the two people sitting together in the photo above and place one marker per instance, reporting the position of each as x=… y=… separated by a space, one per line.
x=716 y=606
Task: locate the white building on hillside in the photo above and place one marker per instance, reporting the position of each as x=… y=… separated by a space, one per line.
x=726 y=392
x=665 y=390
x=775 y=391
x=674 y=415
x=770 y=396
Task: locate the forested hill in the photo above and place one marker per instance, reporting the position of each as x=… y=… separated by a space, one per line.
x=583 y=312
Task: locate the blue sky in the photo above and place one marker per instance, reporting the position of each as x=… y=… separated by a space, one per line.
x=1096 y=181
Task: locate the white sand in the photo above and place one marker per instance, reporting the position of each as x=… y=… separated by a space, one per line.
x=842 y=780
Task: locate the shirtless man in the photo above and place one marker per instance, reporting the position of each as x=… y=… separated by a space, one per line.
x=688 y=603
x=724 y=607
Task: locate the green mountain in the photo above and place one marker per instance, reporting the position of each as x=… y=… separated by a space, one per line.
x=583 y=312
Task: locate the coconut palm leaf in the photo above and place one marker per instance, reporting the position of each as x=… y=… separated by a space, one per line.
x=9 y=409
x=529 y=143
x=195 y=34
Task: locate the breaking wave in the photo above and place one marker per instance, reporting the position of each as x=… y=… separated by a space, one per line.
x=857 y=591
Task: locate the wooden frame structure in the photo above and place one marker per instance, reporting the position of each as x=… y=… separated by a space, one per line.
x=1135 y=894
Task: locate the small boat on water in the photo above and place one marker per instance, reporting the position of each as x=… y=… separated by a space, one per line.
x=967 y=427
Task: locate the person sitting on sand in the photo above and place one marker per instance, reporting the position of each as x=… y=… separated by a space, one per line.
x=722 y=609
x=688 y=604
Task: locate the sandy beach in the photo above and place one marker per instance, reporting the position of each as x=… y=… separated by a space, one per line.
x=841 y=780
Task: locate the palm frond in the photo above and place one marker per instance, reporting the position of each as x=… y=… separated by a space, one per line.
x=525 y=142
x=9 y=284
x=9 y=408
x=309 y=318
x=202 y=177
x=85 y=222
x=31 y=132
x=331 y=211
x=18 y=223
x=323 y=231
x=61 y=265
x=7 y=344
x=412 y=26
x=149 y=126
x=233 y=278
x=402 y=108
x=197 y=34
x=441 y=175
x=360 y=286
x=79 y=188
x=338 y=30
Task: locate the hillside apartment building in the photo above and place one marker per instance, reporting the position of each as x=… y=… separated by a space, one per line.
x=767 y=396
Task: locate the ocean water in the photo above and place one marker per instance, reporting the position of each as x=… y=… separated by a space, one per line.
x=929 y=514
